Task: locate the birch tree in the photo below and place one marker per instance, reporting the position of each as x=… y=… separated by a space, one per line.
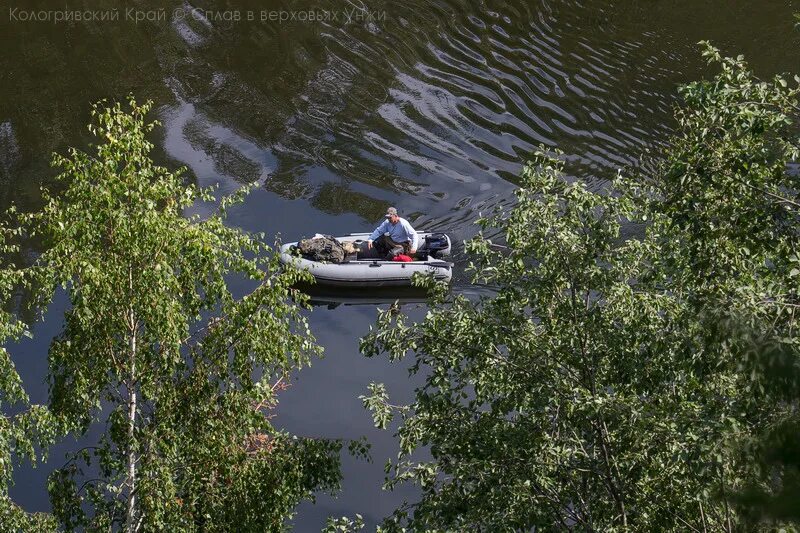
x=177 y=372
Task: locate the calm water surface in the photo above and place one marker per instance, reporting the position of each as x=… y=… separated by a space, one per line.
x=429 y=106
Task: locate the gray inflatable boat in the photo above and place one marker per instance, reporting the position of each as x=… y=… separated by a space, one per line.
x=369 y=272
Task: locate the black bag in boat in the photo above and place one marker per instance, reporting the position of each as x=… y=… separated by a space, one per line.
x=323 y=248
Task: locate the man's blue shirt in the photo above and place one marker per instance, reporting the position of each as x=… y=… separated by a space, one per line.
x=400 y=232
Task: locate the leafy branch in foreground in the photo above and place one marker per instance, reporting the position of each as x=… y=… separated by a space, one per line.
x=179 y=372
x=601 y=387
x=24 y=428
x=772 y=497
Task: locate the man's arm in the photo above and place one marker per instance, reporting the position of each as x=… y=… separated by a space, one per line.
x=380 y=230
x=414 y=236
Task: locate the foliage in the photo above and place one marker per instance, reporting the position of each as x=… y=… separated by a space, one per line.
x=729 y=226
x=601 y=388
x=30 y=426
x=344 y=524
x=772 y=497
x=724 y=202
x=158 y=351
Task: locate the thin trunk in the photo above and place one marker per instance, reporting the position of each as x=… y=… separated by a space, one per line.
x=725 y=499
x=618 y=498
x=703 y=518
x=130 y=518
x=131 y=514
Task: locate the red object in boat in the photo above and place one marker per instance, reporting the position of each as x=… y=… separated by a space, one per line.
x=402 y=258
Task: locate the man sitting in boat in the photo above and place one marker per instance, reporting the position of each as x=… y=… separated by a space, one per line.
x=393 y=237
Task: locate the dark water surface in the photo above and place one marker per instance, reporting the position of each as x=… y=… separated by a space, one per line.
x=429 y=106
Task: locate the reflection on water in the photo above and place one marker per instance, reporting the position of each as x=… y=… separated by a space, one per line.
x=333 y=303
x=433 y=107
x=333 y=297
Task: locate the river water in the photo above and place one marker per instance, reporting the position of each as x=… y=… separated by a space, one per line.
x=428 y=106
